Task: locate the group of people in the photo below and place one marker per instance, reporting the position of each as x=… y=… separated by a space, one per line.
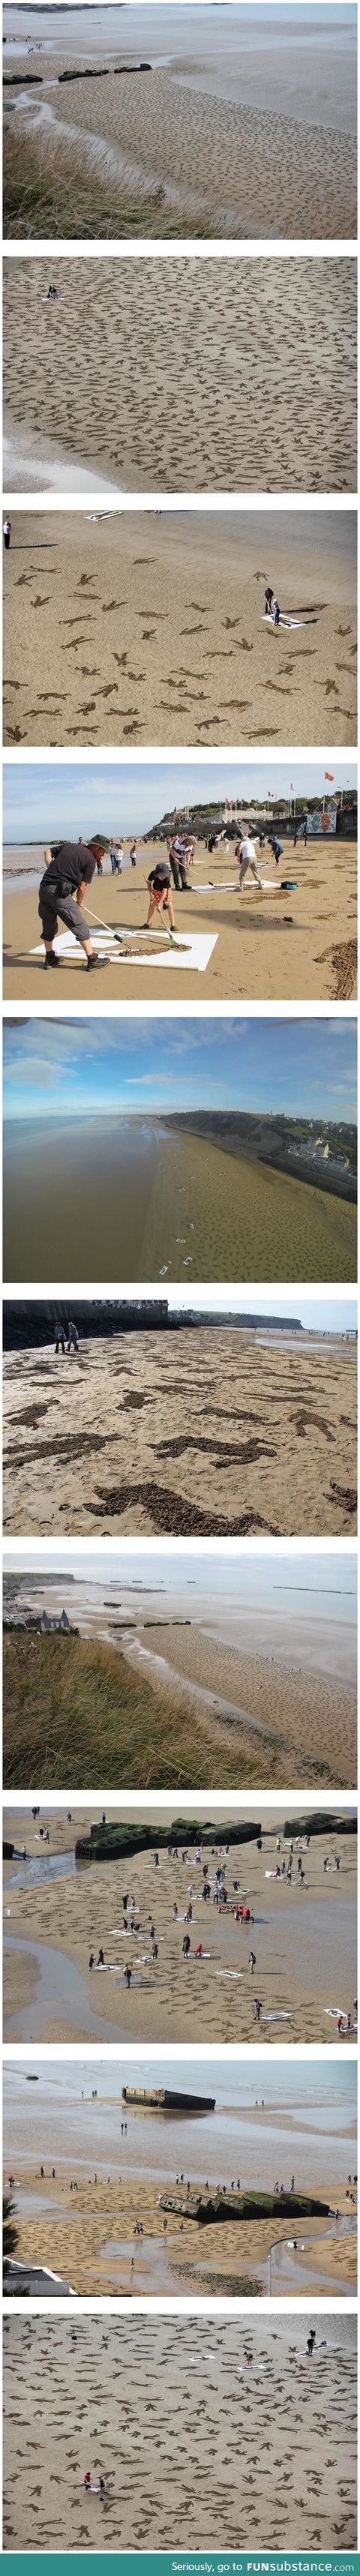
x=66 y=1339
x=71 y=865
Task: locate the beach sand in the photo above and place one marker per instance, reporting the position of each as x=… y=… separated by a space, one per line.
x=98 y=617
x=76 y=2241
x=259 y=146
x=273 y=947
x=272 y=1416
x=100 y=376
x=65 y=2130
x=122 y=1183
x=304 y=1942
x=145 y=2396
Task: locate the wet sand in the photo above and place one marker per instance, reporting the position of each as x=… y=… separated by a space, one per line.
x=163 y=1204
x=271 y=946
x=64 y=390
x=199 y=141
x=60 y=2132
x=272 y=1418
x=110 y=2397
x=304 y=1941
x=92 y=2243
x=125 y=593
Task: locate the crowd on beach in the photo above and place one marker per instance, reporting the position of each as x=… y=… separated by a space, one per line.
x=210 y=1889
x=71 y=865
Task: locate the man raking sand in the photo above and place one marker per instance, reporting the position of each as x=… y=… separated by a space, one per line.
x=70 y=867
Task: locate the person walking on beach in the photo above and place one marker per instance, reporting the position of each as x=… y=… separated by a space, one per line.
x=60 y=1345
x=91 y=1959
x=245 y=853
x=257 y=2008
x=73 y=1338
x=186 y=1945
x=69 y=868
x=252 y=1961
x=268 y=600
x=7 y=535
x=275 y=613
x=133 y=854
x=116 y=858
x=311 y=2339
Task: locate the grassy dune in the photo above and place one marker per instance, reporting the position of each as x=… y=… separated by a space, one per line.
x=44 y=204
x=75 y=1712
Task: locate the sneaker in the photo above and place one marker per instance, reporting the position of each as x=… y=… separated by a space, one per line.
x=91 y=962
x=50 y=960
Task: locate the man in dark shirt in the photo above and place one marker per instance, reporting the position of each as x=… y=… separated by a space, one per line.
x=70 y=867
x=159 y=884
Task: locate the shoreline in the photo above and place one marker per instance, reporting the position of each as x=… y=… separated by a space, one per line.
x=90 y=2240
x=243 y=1217
x=147 y=137
x=265 y=944
x=133 y=428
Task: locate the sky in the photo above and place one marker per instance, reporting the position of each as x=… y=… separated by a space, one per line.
x=227 y=1575
x=333 y=12
x=56 y=802
x=75 y=1069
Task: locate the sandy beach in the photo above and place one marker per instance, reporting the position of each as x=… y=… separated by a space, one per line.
x=56 y=1913
x=162 y=1202
x=142 y=573
x=273 y=946
x=193 y=146
x=272 y=1417
x=151 y=2167
x=85 y=2394
x=65 y=390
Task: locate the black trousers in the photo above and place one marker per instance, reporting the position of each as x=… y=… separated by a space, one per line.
x=68 y=911
x=178 y=872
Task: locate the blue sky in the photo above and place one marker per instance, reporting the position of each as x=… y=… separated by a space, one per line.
x=74 y=1069
x=57 y=802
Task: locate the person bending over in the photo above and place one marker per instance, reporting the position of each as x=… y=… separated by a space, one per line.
x=159 y=885
x=69 y=869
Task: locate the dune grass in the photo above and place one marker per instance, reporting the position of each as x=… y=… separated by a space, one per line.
x=77 y=1715
x=44 y=204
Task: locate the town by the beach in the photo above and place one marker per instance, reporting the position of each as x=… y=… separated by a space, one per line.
x=164 y=2176
x=256 y=1674
x=146 y=1925
x=246 y=879
x=198 y=139
x=134 y=2425
x=119 y=626
x=71 y=410
x=112 y=1411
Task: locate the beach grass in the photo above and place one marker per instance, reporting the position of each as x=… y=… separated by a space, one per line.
x=48 y=205
x=74 y=1710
